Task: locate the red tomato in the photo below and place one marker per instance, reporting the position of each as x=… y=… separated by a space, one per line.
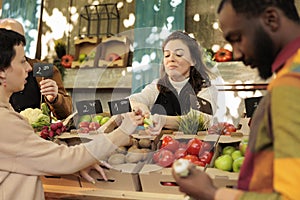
x=230 y=128
x=156 y=157
x=206 y=146
x=169 y=143
x=182 y=145
x=194 y=146
x=199 y=163
x=206 y=157
x=179 y=153
x=169 y=184
x=191 y=158
x=165 y=158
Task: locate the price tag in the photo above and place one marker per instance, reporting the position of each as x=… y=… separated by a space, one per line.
x=43 y=70
x=200 y=104
x=119 y=106
x=89 y=107
x=251 y=104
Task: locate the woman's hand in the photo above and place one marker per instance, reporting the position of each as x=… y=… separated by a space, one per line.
x=130 y=121
x=159 y=122
x=85 y=172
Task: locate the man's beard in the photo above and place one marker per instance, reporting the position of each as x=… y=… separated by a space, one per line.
x=263 y=53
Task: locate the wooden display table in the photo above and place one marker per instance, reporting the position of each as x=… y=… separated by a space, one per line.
x=55 y=192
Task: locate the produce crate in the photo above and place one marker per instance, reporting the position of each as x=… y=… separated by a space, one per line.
x=158 y=180
x=121 y=177
x=224 y=178
x=61 y=180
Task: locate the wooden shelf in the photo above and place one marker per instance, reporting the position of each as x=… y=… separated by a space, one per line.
x=97 y=78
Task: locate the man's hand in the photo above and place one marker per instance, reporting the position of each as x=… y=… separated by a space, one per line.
x=197 y=184
x=49 y=89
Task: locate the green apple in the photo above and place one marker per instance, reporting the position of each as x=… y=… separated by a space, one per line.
x=97 y=118
x=237 y=164
x=236 y=154
x=228 y=150
x=243 y=146
x=85 y=118
x=224 y=162
x=104 y=120
x=82 y=57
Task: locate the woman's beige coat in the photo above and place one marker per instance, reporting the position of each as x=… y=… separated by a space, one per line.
x=24 y=156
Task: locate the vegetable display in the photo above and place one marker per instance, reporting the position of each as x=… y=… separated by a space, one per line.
x=36 y=117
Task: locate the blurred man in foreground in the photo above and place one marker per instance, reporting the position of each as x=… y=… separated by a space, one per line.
x=264 y=34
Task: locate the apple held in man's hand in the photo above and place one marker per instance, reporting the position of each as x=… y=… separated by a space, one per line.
x=224 y=162
x=228 y=150
x=236 y=154
x=237 y=164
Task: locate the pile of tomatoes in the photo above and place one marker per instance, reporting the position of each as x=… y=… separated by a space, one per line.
x=195 y=150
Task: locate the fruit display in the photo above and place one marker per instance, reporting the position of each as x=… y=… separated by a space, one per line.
x=88 y=123
x=192 y=122
x=54 y=129
x=230 y=159
x=194 y=150
x=222 y=128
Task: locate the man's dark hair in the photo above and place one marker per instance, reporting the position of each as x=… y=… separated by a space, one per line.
x=8 y=39
x=253 y=8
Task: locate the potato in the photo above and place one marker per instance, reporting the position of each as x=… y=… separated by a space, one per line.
x=116 y=159
x=145 y=143
x=134 y=156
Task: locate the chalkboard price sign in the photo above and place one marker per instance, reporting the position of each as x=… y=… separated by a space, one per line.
x=89 y=107
x=119 y=106
x=43 y=70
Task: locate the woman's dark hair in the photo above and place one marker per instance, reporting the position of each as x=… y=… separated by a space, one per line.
x=8 y=40
x=199 y=74
x=253 y=8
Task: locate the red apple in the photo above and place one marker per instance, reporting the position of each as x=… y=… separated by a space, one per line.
x=94 y=126
x=84 y=124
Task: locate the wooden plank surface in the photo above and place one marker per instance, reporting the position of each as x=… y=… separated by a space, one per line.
x=55 y=192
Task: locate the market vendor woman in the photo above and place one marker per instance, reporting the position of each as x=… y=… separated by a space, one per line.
x=24 y=156
x=183 y=75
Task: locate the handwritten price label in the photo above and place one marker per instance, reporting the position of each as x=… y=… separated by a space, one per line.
x=89 y=107
x=119 y=106
x=43 y=70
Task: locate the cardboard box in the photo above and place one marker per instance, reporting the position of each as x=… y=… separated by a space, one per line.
x=121 y=177
x=223 y=179
x=158 y=180
x=61 y=180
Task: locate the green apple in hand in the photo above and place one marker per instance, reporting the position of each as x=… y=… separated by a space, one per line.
x=236 y=154
x=228 y=150
x=237 y=164
x=224 y=162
